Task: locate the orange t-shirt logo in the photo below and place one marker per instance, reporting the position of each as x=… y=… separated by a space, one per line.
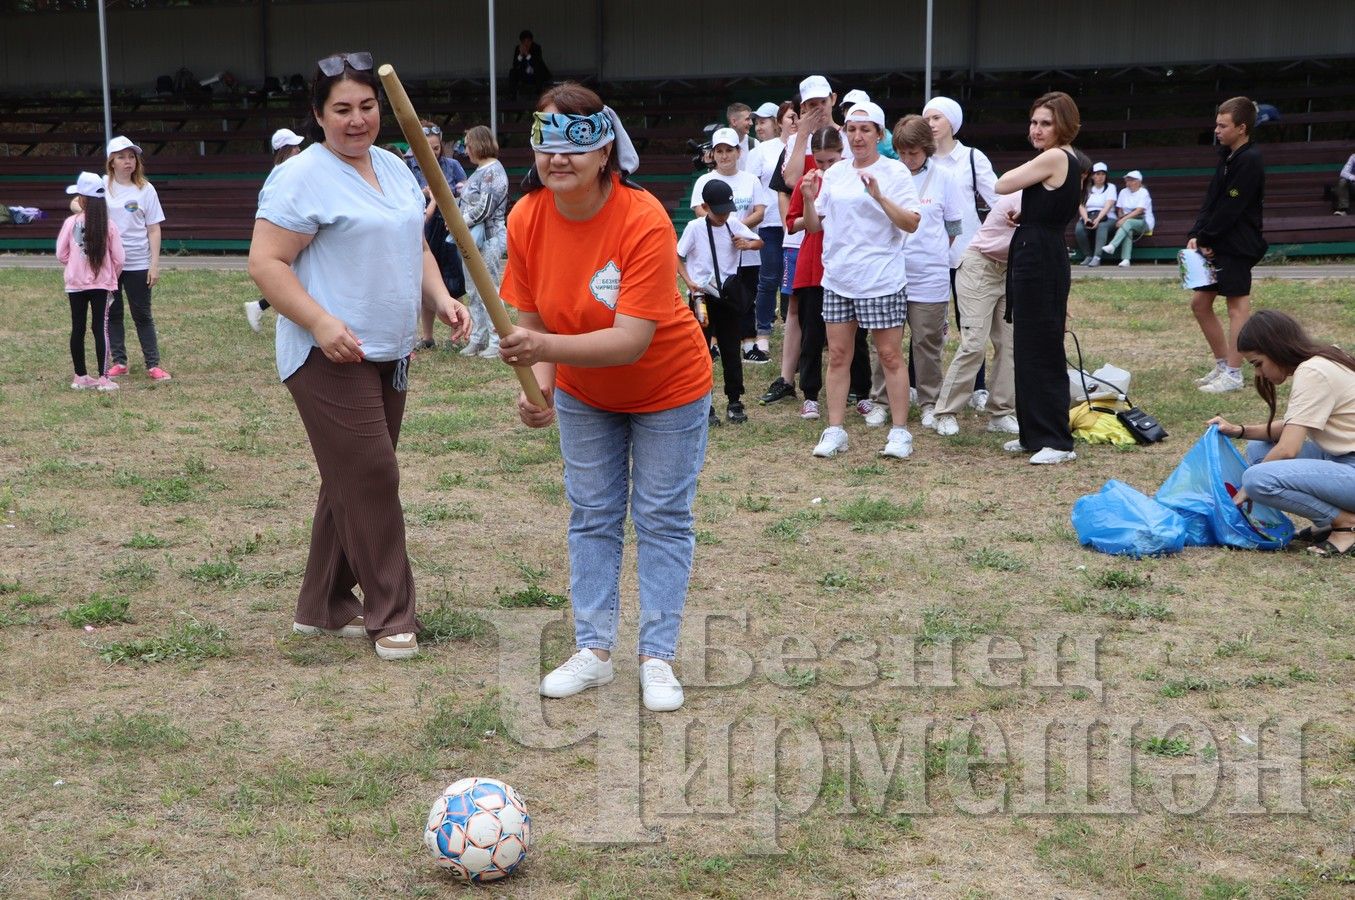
x=606 y=285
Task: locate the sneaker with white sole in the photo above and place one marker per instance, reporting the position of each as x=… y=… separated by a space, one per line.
x=106 y=384
x=832 y=442
x=1051 y=457
x=1109 y=249
x=1213 y=373
x=154 y=373
x=1124 y=264
x=472 y=349
x=397 y=646
x=490 y=352
x=864 y=406
x=661 y=690
x=877 y=416
x=580 y=672
x=1004 y=425
x=809 y=409
x=978 y=400
x=354 y=629
x=929 y=416
x=947 y=425
x=117 y=370
x=254 y=314
x=84 y=383
x=1014 y=447
x=899 y=444
x=1222 y=383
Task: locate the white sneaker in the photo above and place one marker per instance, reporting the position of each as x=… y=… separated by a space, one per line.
x=472 y=349
x=1004 y=425
x=1124 y=264
x=1014 y=447
x=809 y=409
x=354 y=629
x=929 y=416
x=877 y=415
x=832 y=442
x=661 y=689
x=490 y=352
x=1051 y=457
x=1222 y=383
x=912 y=394
x=978 y=400
x=254 y=313
x=1108 y=248
x=946 y=425
x=899 y=445
x=1213 y=373
x=578 y=673
x=1093 y=262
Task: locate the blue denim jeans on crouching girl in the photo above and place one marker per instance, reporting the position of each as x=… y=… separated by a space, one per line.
x=1315 y=484
x=654 y=458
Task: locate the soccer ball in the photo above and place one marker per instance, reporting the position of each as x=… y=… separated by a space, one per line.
x=478 y=829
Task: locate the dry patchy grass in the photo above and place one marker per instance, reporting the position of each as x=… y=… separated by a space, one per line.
x=190 y=746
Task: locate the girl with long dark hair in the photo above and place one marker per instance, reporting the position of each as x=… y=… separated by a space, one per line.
x=91 y=249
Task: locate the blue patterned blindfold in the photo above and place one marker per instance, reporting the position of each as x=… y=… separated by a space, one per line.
x=570 y=133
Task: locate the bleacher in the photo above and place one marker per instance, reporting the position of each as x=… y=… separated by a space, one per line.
x=208 y=156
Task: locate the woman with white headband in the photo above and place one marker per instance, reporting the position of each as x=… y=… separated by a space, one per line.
x=592 y=270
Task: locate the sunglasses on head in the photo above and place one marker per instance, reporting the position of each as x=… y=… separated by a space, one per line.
x=432 y=129
x=333 y=65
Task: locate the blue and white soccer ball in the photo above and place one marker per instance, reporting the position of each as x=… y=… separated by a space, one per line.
x=479 y=829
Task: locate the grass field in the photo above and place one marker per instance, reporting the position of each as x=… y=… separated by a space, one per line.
x=163 y=734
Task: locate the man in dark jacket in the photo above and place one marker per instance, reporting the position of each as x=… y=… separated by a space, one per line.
x=529 y=66
x=1228 y=233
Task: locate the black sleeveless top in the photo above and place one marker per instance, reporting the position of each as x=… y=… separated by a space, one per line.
x=1053 y=209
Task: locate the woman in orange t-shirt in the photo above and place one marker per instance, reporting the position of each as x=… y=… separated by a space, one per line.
x=592 y=270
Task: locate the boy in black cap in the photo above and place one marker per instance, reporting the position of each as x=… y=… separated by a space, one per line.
x=708 y=254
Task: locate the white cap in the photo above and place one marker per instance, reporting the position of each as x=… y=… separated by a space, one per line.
x=814 y=87
x=854 y=97
x=87 y=185
x=1134 y=174
x=120 y=143
x=1099 y=167
x=285 y=137
x=727 y=136
x=766 y=110
x=871 y=112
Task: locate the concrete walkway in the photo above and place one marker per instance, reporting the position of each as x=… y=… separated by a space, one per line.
x=1142 y=271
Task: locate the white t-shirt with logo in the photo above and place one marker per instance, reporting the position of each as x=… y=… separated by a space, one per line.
x=694 y=248
x=762 y=163
x=926 y=252
x=1132 y=200
x=134 y=209
x=862 y=248
x=748 y=192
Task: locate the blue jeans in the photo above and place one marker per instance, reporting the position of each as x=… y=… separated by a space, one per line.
x=769 y=277
x=1315 y=484
x=656 y=457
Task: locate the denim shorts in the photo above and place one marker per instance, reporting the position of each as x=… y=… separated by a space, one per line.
x=872 y=313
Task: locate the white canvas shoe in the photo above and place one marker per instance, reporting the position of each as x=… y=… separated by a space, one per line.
x=661 y=690
x=581 y=671
x=354 y=629
x=1051 y=457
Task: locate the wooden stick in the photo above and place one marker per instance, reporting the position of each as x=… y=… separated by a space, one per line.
x=456 y=225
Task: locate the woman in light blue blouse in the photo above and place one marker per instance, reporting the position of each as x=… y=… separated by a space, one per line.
x=484 y=204
x=338 y=250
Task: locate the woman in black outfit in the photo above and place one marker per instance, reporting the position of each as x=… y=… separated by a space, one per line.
x=1038 y=275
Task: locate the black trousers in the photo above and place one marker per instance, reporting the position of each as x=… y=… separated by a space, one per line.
x=748 y=321
x=133 y=284
x=88 y=305
x=724 y=324
x=1037 y=302
x=813 y=340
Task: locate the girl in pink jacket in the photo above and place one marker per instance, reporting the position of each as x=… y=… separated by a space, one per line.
x=91 y=250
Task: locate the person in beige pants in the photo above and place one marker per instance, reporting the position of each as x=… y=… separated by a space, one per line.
x=981 y=289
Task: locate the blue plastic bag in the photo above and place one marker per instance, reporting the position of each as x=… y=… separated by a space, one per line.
x=1126 y=522
x=1201 y=490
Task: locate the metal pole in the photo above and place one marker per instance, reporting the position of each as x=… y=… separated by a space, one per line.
x=103 y=64
x=493 y=79
x=928 y=95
